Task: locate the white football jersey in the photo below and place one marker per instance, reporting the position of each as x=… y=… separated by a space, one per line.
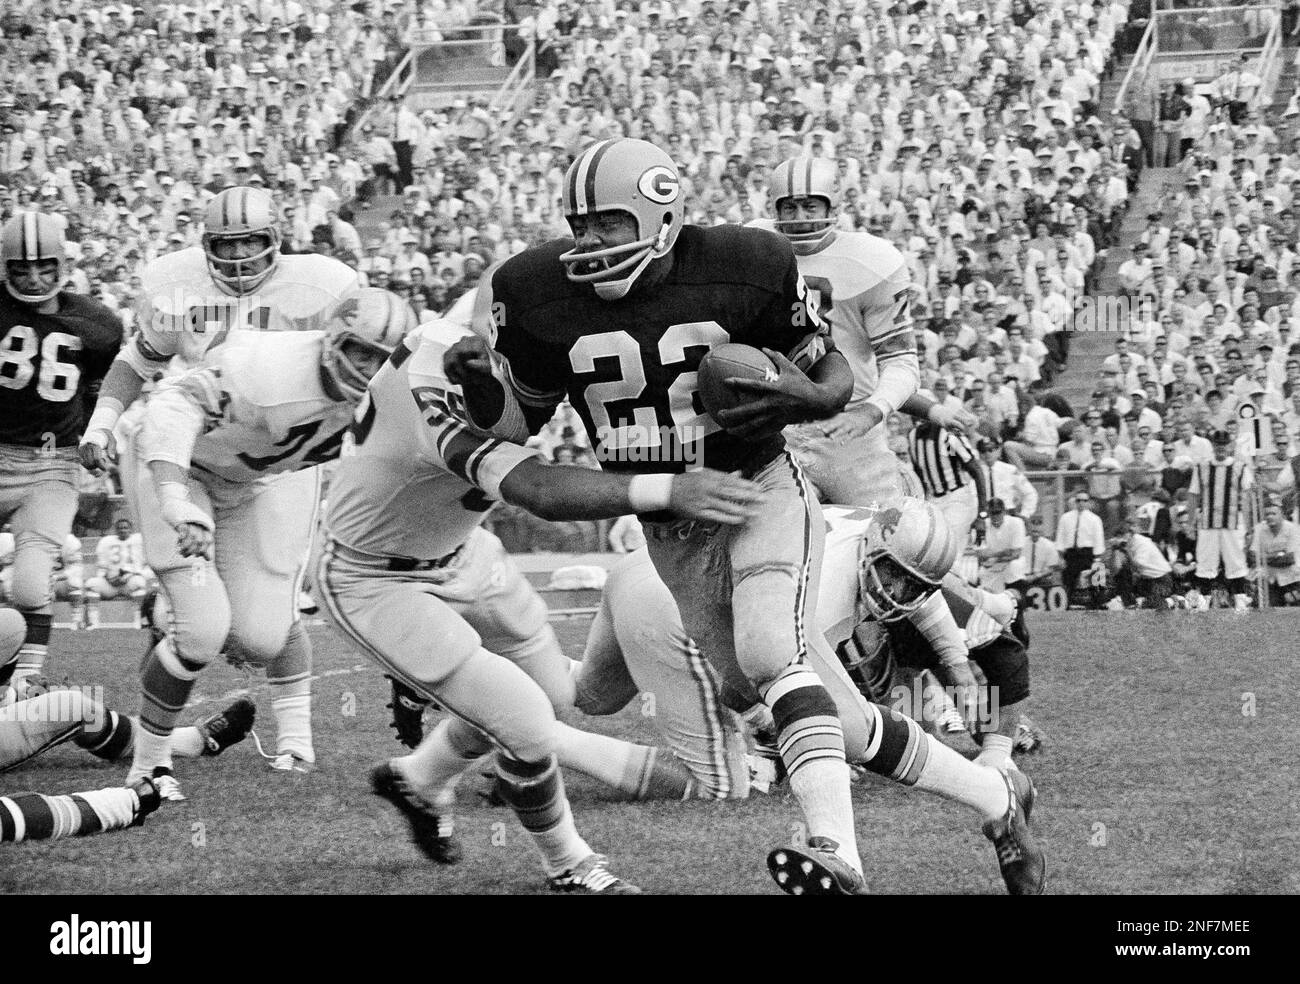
x=182 y=312
x=256 y=407
x=414 y=482
x=863 y=283
x=113 y=554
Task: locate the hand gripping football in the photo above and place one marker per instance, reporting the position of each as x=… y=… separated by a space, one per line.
x=726 y=362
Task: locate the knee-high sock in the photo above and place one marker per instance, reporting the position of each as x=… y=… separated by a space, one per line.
x=289 y=675
x=166 y=681
x=811 y=742
x=35 y=647
x=535 y=791
x=31 y=816
x=638 y=771
x=901 y=751
x=444 y=755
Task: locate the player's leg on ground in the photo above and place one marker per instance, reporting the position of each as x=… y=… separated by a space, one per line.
x=199 y=619
x=494 y=597
x=30 y=727
x=637 y=646
x=40 y=525
x=419 y=639
x=31 y=816
x=263 y=540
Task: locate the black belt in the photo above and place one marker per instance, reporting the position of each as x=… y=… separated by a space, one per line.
x=405 y=564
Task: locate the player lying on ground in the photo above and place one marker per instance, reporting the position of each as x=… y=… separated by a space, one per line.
x=408 y=574
x=886 y=564
x=55 y=347
x=35 y=724
x=618 y=320
x=190 y=302
x=264 y=403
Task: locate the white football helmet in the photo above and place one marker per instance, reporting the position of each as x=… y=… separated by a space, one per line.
x=241 y=215
x=907 y=549
x=29 y=243
x=806 y=177
x=632 y=176
x=371 y=319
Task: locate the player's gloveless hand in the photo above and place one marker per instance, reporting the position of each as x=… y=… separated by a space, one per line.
x=467 y=360
x=967 y=691
x=952 y=418
x=855 y=425
x=98 y=450
x=714 y=497
x=194 y=540
x=790 y=398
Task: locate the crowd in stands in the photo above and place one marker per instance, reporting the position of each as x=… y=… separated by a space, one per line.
x=969 y=134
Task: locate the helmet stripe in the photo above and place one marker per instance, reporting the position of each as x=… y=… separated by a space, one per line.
x=590 y=189
x=243 y=207
x=807 y=178
x=225 y=211
x=581 y=188
x=31 y=237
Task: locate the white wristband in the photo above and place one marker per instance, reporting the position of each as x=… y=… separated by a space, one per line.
x=647 y=493
x=177 y=507
x=107 y=412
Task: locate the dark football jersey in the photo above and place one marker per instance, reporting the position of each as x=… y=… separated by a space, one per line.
x=50 y=368
x=629 y=367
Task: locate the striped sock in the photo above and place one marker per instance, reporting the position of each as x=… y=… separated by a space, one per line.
x=638 y=771
x=113 y=736
x=811 y=742
x=31 y=816
x=166 y=681
x=35 y=647
x=535 y=791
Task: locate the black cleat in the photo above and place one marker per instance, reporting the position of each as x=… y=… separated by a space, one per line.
x=1024 y=868
x=408 y=714
x=147 y=795
x=814 y=869
x=225 y=728
x=432 y=828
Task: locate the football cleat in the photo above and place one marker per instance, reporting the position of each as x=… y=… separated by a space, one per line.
x=148 y=796
x=766 y=767
x=1024 y=868
x=292 y=762
x=591 y=876
x=169 y=790
x=432 y=827
x=225 y=728
x=408 y=713
x=814 y=870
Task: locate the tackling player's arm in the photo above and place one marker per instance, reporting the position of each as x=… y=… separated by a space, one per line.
x=175 y=418
x=142 y=357
x=814 y=380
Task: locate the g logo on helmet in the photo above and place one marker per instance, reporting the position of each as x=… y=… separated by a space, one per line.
x=660 y=185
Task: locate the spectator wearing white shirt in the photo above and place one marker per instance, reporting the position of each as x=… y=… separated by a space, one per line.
x=1081 y=539
x=1040 y=437
x=1275 y=545
x=1001 y=557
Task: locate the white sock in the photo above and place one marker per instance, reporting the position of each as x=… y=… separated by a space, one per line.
x=434 y=766
x=822 y=788
x=952 y=777
x=151 y=751
x=561 y=847
x=995 y=752
x=293 y=726
x=187 y=742
x=116 y=808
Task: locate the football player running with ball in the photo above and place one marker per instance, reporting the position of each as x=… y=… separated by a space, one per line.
x=618 y=319
x=191 y=300
x=263 y=403
x=55 y=348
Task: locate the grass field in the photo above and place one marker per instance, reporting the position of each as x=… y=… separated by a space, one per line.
x=1169 y=768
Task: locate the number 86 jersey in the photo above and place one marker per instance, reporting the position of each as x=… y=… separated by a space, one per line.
x=49 y=367
x=257 y=407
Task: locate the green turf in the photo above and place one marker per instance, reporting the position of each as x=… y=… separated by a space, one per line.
x=1153 y=781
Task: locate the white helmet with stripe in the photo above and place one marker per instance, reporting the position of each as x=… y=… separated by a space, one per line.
x=235 y=218
x=361 y=332
x=34 y=257
x=632 y=176
x=806 y=177
x=906 y=550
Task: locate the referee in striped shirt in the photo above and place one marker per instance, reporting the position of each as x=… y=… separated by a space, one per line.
x=1218 y=492
x=951 y=476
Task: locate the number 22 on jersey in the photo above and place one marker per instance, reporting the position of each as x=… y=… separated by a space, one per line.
x=645 y=430
x=19 y=350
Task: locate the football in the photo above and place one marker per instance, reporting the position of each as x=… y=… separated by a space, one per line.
x=727 y=362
